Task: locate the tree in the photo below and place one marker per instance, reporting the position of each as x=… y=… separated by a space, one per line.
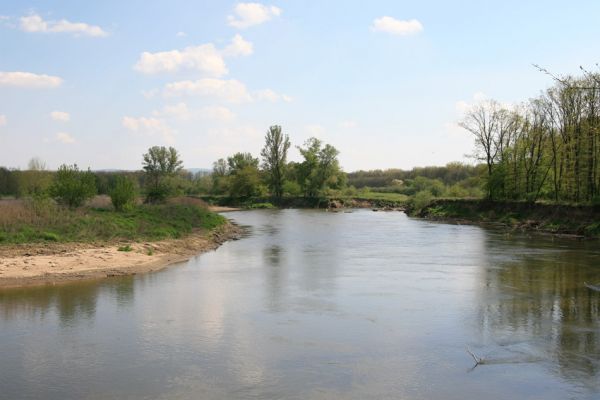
x=240 y=161
x=159 y=164
x=245 y=182
x=320 y=168
x=123 y=193
x=244 y=176
x=36 y=180
x=72 y=186
x=274 y=156
x=220 y=181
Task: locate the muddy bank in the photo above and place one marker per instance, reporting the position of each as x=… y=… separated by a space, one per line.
x=566 y=220
x=37 y=264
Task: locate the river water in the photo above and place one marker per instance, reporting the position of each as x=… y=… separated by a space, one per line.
x=316 y=305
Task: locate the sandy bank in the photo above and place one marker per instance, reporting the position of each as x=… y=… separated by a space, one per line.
x=219 y=209
x=55 y=263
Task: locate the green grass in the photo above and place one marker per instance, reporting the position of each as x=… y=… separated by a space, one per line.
x=146 y=222
x=395 y=197
x=126 y=248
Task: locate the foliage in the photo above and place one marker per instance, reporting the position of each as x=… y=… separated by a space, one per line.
x=21 y=224
x=126 y=248
x=421 y=200
x=546 y=148
x=160 y=163
x=220 y=181
x=320 y=168
x=274 y=155
x=245 y=182
x=73 y=187
x=123 y=194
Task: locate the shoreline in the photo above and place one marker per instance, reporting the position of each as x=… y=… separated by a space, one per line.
x=564 y=221
x=35 y=265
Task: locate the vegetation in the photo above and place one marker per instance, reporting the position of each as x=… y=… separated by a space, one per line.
x=274 y=156
x=320 y=168
x=21 y=222
x=546 y=148
x=561 y=219
x=52 y=204
x=160 y=164
x=123 y=194
x=73 y=187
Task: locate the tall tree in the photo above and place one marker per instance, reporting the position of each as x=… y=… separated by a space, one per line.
x=274 y=156
x=159 y=164
x=320 y=168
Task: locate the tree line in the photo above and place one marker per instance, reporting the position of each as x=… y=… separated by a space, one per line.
x=162 y=176
x=242 y=175
x=545 y=148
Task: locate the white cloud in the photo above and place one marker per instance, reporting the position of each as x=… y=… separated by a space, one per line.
x=182 y=112
x=3 y=120
x=238 y=47
x=181 y=34
x=229 y=90
x=216 y=113
x=65 y=138
x=205 y=58
x=29 y=80
x=272 y=96
x=60 y=116
x=250 y=14
x=149 y=126
x=397 y=27
x=35 y=23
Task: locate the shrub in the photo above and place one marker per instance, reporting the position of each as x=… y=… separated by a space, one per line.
x=421 y=200
x=73 y=187
x=123 y=194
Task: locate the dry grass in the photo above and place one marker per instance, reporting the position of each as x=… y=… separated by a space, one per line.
x=29 y=212
x=187 y=201
x=27 y=221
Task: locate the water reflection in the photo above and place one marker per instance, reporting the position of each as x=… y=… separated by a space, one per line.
x=320 y=305
x=537 y=299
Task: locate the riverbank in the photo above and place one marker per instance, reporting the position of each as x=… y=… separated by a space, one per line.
x=52 y=263
x=375 y=200
x=567 y=220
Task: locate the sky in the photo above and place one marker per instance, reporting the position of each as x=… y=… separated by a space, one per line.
x=385 y=82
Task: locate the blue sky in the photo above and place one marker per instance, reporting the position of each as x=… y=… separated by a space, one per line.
x=383 y=81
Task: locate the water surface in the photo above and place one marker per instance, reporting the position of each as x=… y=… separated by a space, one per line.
x=315 y=305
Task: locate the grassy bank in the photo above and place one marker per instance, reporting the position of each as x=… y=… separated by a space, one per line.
x=33 y=222
x=369 y=200
x=583 y=220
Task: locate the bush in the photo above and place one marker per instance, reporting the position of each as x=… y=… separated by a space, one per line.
x=123 y=194
x=421 y=200
x=158 y=194
x=73 y=187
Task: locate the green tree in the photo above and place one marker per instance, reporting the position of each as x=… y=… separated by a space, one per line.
x=123 y=193
x=320 y=168
x=274 y=156
x=244 y=176
x=240 y=161
x=219 y=176
x=160 y=164
x=245 y=182
x=73 y=187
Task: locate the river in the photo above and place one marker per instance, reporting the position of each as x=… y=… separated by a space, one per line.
x=317 y=305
